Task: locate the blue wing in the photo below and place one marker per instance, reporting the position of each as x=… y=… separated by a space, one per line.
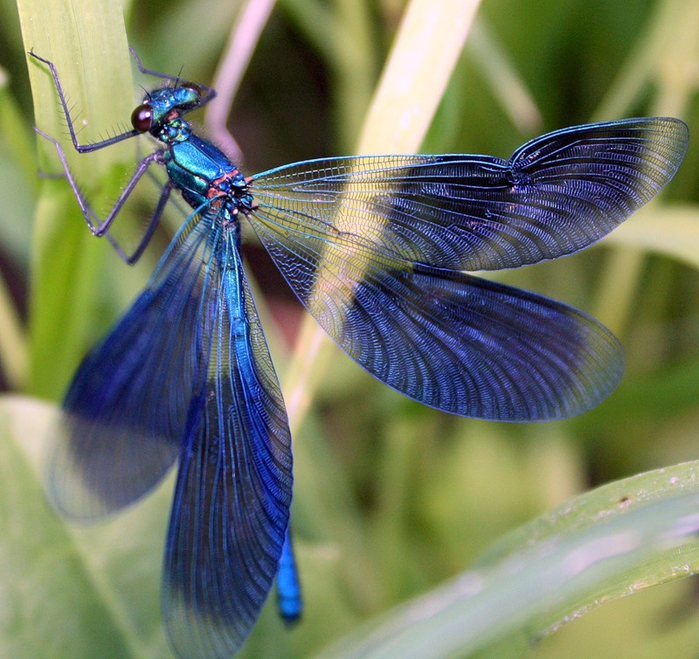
x=124 y=415
x=556 y=195
x=374 y=248
x=231 y=507
x=186 y=374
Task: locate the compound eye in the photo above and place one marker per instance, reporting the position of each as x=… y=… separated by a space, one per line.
x=191 y=99
x=194 y=88
x=142 y=118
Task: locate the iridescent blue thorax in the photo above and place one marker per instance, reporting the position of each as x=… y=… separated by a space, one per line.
x=198 y=169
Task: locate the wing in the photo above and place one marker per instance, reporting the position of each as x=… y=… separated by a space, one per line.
x=231 y=507
x=456 y=342
x=125 y=411
x=556 y=195
x=374 y=248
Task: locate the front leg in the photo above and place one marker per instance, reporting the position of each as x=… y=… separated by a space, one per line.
x=100 y=227
x=80 y=148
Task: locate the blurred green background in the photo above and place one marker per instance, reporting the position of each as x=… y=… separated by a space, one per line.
x=391 y=498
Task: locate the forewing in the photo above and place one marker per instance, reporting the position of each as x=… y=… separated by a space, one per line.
x=231 y=506
x=124 y=414
x=556 y=195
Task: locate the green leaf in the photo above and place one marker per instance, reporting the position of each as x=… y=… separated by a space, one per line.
x=86 y=40
x=69 y=591
x=18 y=173
x=605 y=544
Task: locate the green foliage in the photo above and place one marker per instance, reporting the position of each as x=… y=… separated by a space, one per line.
x=391 y=498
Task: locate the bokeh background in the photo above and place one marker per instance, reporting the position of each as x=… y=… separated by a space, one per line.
x=391 y=498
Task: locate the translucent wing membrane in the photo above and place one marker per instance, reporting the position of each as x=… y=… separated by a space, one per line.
x=187 y=374
x=472 y=347
x=456 y=342
x=556 y=195
x=374 y=247
x=124 y=414
x=231 y=507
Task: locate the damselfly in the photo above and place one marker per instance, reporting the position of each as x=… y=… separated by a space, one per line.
x=377 y=249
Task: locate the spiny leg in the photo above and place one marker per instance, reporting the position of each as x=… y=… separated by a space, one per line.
x=100 y=227
x=152 y=224
x=80 y=148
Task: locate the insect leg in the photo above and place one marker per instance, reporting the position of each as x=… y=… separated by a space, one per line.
x=100 y=227
x=80 y=148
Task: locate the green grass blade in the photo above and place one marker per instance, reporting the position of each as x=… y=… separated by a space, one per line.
x=86 y=40
x=83 y=592
x=13 y=345
x=605 y=544
x=403 y=106
x=670 y=230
